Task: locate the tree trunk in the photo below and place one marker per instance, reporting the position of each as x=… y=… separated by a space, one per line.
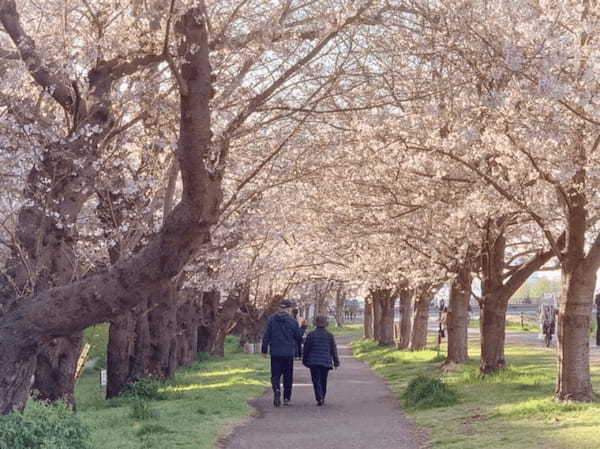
x=121 y=340
x=340 y=302
x=368 y=318
x=139 y=366
x=63 y=311
x=377 y=315
x=493 y=333
x=420 y=318
x=458 y=317
x=383 y=318
x=226 y=318
x=162 y=321
x=577 y=290
x=405 y=318
x=207 y=330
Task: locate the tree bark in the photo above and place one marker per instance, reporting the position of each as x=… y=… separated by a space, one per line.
x=207 y=329
x=340 y=302
x=458 y=317
x=162 y=321
x=405 y=318
x=573 y=380
x=368 y=318
x=383 y=319
x=63 y=311
x=377 y=317
x=121 y=340
x=420 y=318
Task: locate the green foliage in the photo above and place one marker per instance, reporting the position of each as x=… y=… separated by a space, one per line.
x=142 y=409
x=428 y=392
x=43 y=426
x=97 y=338
x=149 y=388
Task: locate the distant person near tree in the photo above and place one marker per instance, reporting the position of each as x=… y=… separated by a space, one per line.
x=281 y=339
x=320 y=355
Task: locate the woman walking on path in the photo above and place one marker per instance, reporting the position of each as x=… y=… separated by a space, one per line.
x=320 y=355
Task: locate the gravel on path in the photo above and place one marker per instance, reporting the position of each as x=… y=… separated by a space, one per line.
x=360 y=413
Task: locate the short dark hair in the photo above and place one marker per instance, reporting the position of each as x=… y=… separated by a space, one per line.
x=321 y=321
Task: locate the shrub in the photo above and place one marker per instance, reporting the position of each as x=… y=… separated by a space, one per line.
x=145 y=389
x=428 y=392
x=43 y=426
x=141 y=409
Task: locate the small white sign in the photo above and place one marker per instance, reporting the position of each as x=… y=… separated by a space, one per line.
x=103 y=378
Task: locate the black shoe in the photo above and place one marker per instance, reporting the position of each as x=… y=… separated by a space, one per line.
x=320 y=402
x=286 y=402
x=277 y=399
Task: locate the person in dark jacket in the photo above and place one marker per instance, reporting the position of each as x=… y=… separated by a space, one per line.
x=320 y=355
x=281 y=339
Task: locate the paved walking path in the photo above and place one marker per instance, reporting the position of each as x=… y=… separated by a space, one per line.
x=360 y=413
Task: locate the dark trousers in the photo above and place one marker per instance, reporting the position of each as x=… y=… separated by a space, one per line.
x=282 y=366
x=319 y=380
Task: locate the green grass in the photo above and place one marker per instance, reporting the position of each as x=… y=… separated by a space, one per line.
x=197 y=406
x=348 y=330
x=511 y=410
x=97 y=337
x=514 y=325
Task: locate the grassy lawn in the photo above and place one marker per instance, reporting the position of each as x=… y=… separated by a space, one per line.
x=197 y=406
x=348 y=330
x=513 y=324
x=512 y=410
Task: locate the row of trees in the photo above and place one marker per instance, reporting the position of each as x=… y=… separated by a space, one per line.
x=175 y=182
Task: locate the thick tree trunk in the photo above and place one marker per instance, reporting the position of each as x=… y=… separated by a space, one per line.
x=493 y=333
x=458 y=317
x=226 y=318
x=420 y=318
x=377 y=321
x=56 y=369
x=577 y=290
x=140 y=358
x=383 y=319
x=207 y=330
x=121 y=341
x=405 y=319
x=162 y=321
x=188 y=321
x=368 y=318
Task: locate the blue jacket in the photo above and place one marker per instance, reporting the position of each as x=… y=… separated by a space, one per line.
x=320 y=349
x=282 y=336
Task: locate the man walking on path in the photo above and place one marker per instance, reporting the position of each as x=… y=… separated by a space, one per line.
x=320 y=355
x=282 y=337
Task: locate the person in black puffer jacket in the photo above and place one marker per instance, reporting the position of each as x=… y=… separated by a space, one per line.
x=320 y=355
x=281 y=339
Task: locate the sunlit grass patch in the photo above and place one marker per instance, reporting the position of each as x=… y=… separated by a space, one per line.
x=196 y=406
x=513 y=409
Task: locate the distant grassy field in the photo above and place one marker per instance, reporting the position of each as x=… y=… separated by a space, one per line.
x=197 y=405
x=512 y=410
x=348 y=330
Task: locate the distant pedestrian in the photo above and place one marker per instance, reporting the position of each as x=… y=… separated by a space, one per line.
x=320 y=355
x=281 y=339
